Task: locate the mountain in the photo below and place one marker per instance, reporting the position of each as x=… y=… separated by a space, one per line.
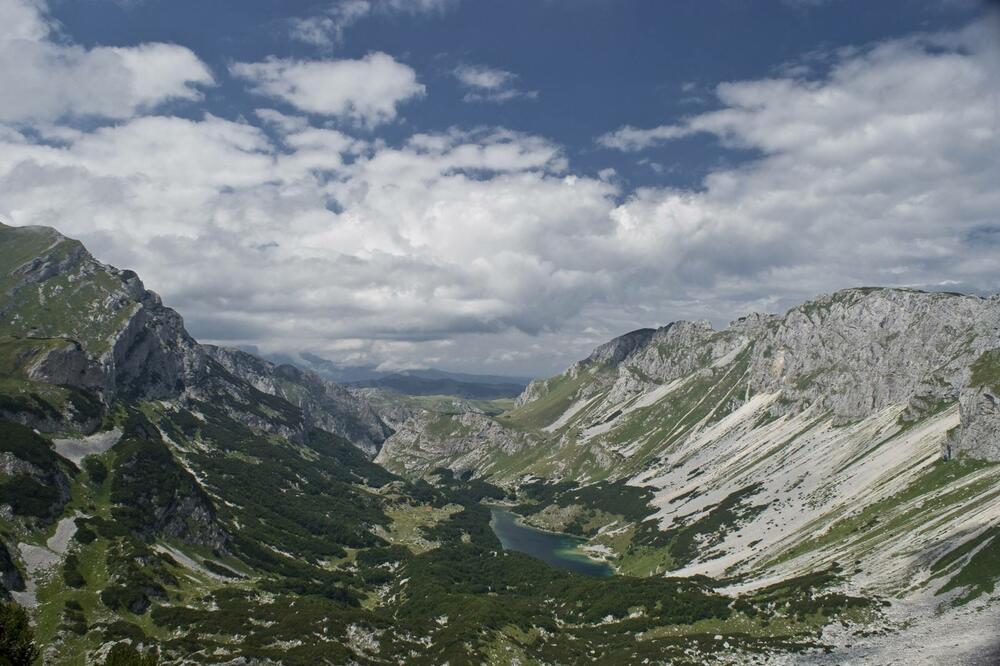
x=329 y=370
x=817 y=487
x=85 y=335
x=213 y=507
x=858 y=430
x=414 y=381
x=412 y=385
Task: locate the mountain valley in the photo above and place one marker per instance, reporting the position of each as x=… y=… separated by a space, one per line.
x=817 y=487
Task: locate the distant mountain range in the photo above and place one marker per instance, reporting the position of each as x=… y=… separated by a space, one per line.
x=415 y=381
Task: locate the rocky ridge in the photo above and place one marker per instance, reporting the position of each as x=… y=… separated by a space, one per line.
x=120 y=342
x=853 y=353
x=849 y=354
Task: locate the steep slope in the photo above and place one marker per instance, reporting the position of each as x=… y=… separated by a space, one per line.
x=848 y=355
x=91 y=333
x=324 y=405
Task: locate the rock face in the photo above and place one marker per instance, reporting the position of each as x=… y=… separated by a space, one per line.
x=979 y=403
x=116 y=340
x=460 y=443
x=155 y=495
x=622 y=347
x=853 y=352
x=324 y=405
x=11 y=579
x=68 y=365
x=849 y=354
x=860 y=350
x=152 y=356
x=33 y=480
x=127 y=343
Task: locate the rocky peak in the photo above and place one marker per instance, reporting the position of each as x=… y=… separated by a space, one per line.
x=852 y=352
x=618 y=349
x=979 y=405
x=859 y=350
x=324 y=405
x=126 y=342
x=121 y=342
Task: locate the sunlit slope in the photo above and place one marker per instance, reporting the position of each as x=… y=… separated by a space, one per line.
x=779 y=446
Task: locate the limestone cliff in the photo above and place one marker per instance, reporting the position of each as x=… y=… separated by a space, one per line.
x=852 y=353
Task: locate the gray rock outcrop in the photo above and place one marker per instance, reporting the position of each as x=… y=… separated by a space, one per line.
x=11 y=579
x=853 y=353
x=979 y=404
x=461 y=443
x=324 y=405
x=120 y=342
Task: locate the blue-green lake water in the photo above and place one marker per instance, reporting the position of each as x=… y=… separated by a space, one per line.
x=558 y=550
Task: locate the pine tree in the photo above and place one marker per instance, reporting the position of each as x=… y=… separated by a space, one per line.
x=17 y=640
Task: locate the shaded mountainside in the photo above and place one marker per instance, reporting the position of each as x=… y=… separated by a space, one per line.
x=89 y=334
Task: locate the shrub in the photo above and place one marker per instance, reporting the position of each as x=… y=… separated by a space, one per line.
x=17 y=641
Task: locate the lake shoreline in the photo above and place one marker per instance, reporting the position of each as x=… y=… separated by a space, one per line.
x=521 y=520
x=559 y=550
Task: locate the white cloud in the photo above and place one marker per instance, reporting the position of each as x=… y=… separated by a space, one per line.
x=46 y=79
x=326 y=29
x=367 y=90
x=631 y=139
x=484 y=77
x=483 y=248
x=489 y=84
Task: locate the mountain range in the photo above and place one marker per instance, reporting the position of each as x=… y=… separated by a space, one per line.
x=819 y=487
x=409 y=381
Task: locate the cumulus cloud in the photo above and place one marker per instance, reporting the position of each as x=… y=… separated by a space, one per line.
x=631 y=139
x=366 y=91
x=327 y=28
x=483 y=248
x=489 y=84
x=875 y=174
x=47 y=79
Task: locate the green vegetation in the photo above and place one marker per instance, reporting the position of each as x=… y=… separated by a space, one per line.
x=604 y=501
x=149 y=485
x=124 y=654
x=443 y=404
x=986 y=370
x=978 y=566
x=557 y=395
x=17 y=641
x=40 y=491
x=220 y=527
x=937 y=488
x=23 y=397
x=61 y=306
x=694 y=539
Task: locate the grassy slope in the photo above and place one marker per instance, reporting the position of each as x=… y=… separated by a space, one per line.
x=986 y=371
x=69 y=304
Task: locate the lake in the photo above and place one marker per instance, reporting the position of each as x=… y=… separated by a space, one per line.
x=558 y=550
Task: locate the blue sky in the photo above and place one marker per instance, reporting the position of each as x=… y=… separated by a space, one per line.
x=500 y=186
x=595 y=64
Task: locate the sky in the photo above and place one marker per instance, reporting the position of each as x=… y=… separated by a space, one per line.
x=501 y=186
